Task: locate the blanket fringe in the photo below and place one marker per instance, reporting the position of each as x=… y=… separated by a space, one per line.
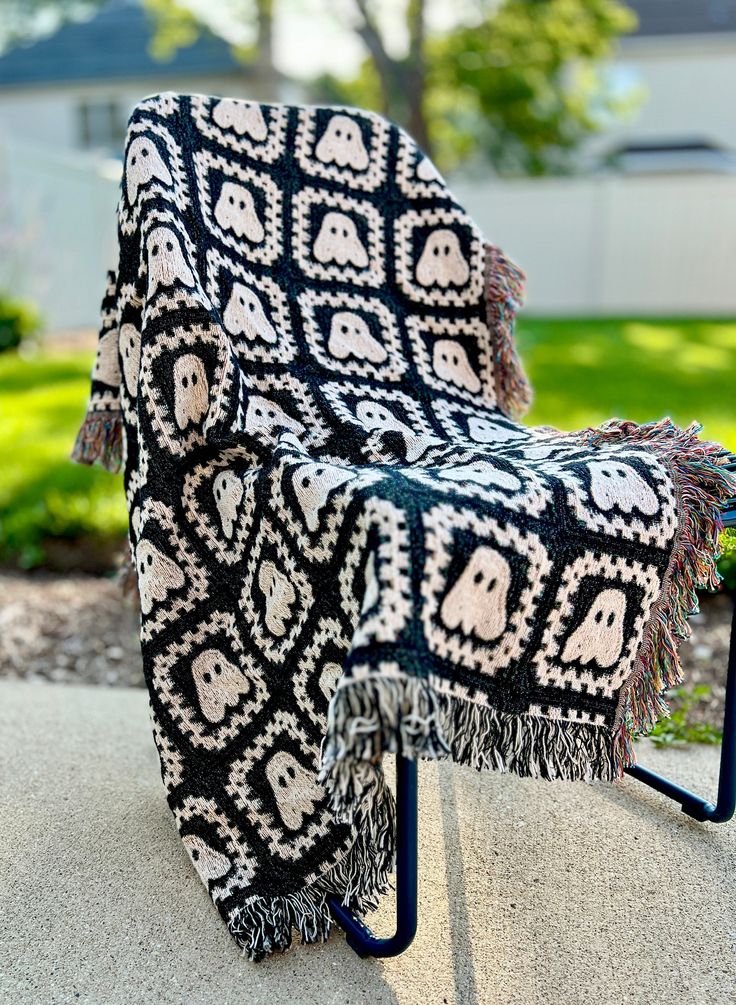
x=703 y=486
x=384 y=709
x=100 y=438
x=504 y=297
x=263 y=925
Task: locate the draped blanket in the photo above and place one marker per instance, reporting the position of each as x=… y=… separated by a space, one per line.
x=343 y=542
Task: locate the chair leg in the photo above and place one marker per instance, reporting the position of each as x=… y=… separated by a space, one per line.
x=695 y=806
x=358 y=935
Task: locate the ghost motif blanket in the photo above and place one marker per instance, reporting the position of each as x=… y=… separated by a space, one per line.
x=343 y=540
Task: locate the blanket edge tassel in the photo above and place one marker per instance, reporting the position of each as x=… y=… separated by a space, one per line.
x=504 y=296
x=100 y=438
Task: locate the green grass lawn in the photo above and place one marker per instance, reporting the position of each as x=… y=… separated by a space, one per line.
x=583 y=373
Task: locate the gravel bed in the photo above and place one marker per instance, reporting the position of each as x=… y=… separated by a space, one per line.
x=79 y=629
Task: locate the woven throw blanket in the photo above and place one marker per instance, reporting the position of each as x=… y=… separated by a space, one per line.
x=343 y=542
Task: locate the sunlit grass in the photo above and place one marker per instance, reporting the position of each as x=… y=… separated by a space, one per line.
x=583 y=371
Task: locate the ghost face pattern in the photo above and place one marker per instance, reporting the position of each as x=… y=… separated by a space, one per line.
x=313 y=484
x=442 y=262
x=351 y=336
x=280 y=597
x=218 y=683
x=450 y=362
x=264 y=416
x=143 y=163
x=482 y=473
x=373 y=415
x=294 y=789
x=613 y=483
x=227 y=489
x=236 y=211
x=600 y=638
x=476 y=604
x=210 y=864
x=106 y=368
x=130 y=352
x=243 y=118
x=342 y=144
x=158 y=575
x=190 y=390
x=486 y=431
x=166 y=264
x=244 y=315
x=338 y=241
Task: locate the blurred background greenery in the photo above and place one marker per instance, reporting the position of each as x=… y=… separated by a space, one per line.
x=539 y=110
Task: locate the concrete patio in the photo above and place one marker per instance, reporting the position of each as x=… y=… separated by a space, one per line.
x=530 y=893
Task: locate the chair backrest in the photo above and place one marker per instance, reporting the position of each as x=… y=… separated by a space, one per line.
x=327 y=249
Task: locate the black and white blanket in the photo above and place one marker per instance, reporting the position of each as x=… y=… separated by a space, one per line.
x=343 y=542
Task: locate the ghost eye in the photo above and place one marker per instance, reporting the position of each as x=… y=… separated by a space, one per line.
x=194 y=379
x=282 y=782
x=149 y=560
x=455 y=360
x=144 y=151
x=333 y=230
x=478 y=577
x=207 y=677
x=621 y=472
x=133 y=159
x=609 y=622
x=447 y=249
x=231 y=200
x=435 y=251
x=491 y=584
x=195 y=854
x=257 y=411
x=290 y=772
x=242 y=204
x=606 y=474
x=343 y=329
x=155 y=250
x=345 y=233
x=598 y=617
x=185 y=382
x=242 y=302
x=251 y=306
x=217 y=668
x=169 y=246
x=305 y=482
x=338 y=132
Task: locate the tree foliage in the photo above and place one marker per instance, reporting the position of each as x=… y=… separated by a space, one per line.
x=518 y=84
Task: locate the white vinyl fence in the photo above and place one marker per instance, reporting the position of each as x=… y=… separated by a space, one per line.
x=604 y=245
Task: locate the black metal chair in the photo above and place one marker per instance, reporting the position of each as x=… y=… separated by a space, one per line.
x=360 y=937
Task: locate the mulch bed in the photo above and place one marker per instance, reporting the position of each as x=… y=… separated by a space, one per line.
x=77 y=629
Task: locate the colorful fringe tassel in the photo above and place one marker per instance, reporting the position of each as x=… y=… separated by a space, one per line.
x=504 y=296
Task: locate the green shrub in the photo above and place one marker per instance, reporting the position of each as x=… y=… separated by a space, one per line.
x=727 y=561
x=18 y=320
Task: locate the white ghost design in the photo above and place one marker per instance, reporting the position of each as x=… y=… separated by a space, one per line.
x=191 y=390
x=613 y=483
x=313 y=483
x=236 y=211
x=242 y=117
x=373 y=415
x=294 y=788
x=218 y=683
x=482 y=473
x=486 y=431
x=328 y=679
x=442 y=262
x=157 y=575
x=476 y=604
x=372 y=588
x=166 y=262
x=450 y=362
x=107 y=368
x=228 y=490
x=130 y=350
x=244 y=315
x=342 y=144
x=263 y=416
x=600 y=637
x=351 y=336
x=210 y=864
x=279 y=594
x=338 y=241
x=426 y=171
x=143 y=163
